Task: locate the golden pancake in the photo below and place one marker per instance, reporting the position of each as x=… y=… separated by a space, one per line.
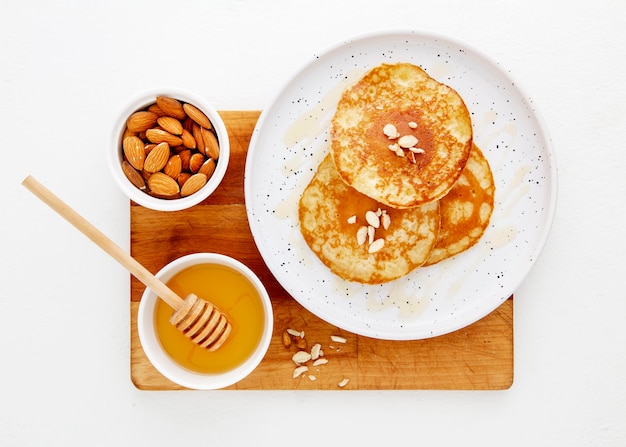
x=419 y=108
x=466 y=209
x=332 y=216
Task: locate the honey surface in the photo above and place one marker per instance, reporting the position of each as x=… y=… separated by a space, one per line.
x=234 y=295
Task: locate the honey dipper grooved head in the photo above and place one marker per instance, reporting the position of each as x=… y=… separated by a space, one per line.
x=202 y=322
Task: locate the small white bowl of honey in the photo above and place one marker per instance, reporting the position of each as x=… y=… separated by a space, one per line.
x=234 y=289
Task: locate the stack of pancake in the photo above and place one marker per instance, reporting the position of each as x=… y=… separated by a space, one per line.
x=403 y=186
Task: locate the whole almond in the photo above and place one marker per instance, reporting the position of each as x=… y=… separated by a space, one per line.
x=211 y=146
x=171 y=107
x=188 y=140
x=182 y=178
x=286 y=339
x=188 y=124
x=156 y=110
x=193 y=184
x=160 y=136
x=207 y=168
x=134 y=151
x=185 y=156
x=170 y=124
x=300 y=342
x=196 y=161
x=157 y=158
x=199 y=117
x=163 y=185
x=133 y=175
x=140 y=121
x=148 y=147
x=197 y=134
x=173 y=168
x=127 y=133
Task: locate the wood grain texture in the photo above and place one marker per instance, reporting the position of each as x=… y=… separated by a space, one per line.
x=478 y=357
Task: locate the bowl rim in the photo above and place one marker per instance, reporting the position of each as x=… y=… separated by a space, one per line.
x=114 y=154
x=161 y=360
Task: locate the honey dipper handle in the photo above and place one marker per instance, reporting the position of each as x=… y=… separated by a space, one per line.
x=100 y=239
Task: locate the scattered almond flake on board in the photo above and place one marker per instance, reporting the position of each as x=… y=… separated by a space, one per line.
x=320 y=362
x=343 y=383
x=301 y=357
x=352 y=219
x=315 y=351
x=295 y=333
x=338 y=339
x=299 y=371
x=312 y=377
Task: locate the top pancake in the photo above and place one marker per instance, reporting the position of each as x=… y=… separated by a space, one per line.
x=416 y=104
x=331 y=214
x=466 y=210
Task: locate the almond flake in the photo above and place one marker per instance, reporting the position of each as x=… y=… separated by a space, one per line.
x=295 y=333
x=407 y=141
x=376 y=245
x=361 y=235
x=412 y=157
x=299 y=371
x=301 y=357
x=315 y=351
x=320 y=362
x=372 y=218
x=343 y=383
x=312 y=377
x=390 y=131
x=386 y=221
x=338 y=339
x=352 y=219
x=394 y=147
x=412 y=124
x=417 y=150
x=370 y=234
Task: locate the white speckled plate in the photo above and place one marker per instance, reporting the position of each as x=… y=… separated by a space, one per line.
x=291 y=138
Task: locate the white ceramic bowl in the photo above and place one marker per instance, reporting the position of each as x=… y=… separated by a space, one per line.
x=163 y=362
x=143 y=101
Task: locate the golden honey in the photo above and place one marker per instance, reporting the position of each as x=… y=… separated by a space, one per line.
x=235 y=296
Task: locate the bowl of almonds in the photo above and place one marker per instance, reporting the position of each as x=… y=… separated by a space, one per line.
x=170 y=150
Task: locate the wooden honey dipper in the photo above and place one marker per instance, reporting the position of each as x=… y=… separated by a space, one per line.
x=198 y=319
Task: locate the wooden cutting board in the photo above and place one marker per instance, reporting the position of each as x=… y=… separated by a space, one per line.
x=478 y=357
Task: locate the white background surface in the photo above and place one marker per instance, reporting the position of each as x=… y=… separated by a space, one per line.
x=68 y=67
